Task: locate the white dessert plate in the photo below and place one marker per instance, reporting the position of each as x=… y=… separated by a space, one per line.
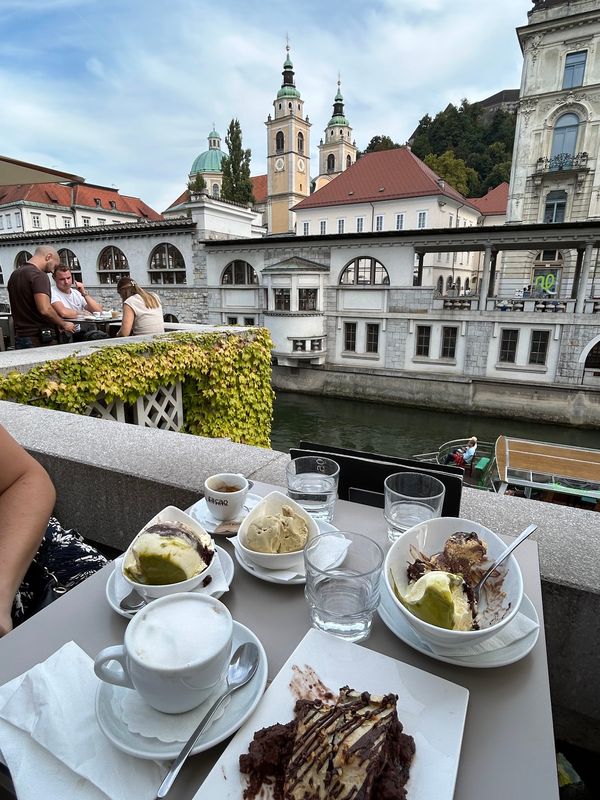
x=241 y=705
x=492 y=658
x=117 y=588
x=199 y=511
x=269 y=575
x=431 y=709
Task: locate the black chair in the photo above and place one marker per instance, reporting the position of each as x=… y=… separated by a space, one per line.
x=362 y=473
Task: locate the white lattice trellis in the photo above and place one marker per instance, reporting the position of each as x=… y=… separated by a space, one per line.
x=101 y=409
x=161 y=409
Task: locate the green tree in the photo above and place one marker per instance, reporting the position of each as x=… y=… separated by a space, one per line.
x=197 y=184
x=378 y=143
x=237 y=186
x=454 y=170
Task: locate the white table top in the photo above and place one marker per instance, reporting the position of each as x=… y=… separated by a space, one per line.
x=508 y=745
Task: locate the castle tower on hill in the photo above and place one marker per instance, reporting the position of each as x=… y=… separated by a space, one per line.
x=337 y=152
x=288 y=154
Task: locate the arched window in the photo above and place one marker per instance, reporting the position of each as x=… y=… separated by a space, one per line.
x=458 y=286
x=1 y=277
x=301 y=143
x=467 y=284
x=167 y=265
x=365 y=272
x=22 y=258
x=331 y=163
x=564 y=141
x=440 y=285
x=348 y=162
x=448 y=282
x=112 y=265
x=593 y=358
x=239 y=273
x=216 y=191
x=70 y=260
x=170 y=318
x=279 y=142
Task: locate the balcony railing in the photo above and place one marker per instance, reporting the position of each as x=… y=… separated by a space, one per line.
x=562 y=161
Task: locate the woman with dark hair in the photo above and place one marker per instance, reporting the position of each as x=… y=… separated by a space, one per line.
x=142 y=311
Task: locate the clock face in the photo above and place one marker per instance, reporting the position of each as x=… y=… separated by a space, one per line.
x=301 y=164
x=279 y=164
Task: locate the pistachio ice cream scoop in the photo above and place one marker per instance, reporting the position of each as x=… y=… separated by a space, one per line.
x=168 y=552
x=439 y=598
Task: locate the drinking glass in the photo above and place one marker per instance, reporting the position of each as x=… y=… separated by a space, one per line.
x=343 y=572
x=411 y=498
x=312 y=482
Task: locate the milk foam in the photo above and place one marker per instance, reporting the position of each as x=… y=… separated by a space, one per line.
x=175 y=634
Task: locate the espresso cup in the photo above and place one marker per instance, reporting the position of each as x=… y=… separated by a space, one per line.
x=225 y=494
x=175 y=652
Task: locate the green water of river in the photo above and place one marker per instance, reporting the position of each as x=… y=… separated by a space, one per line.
x=397 y=430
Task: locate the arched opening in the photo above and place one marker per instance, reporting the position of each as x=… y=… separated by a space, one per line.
x=1 y=277
x=593 y=358
x=22 y=258
x=331 y=163
x=170 y=318
x=216 y=190
x=458 y=285
x=448 y=282
x=564 y=141
x=348 y=161
x=112 y=265
x=467 y=285
x=239 y=273
x=70 y=260
x=301 y=143
x=440 y=285
x=166 y=265
x=365 y=272
x=279 y=142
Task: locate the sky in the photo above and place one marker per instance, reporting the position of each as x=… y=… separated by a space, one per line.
x=125 y=92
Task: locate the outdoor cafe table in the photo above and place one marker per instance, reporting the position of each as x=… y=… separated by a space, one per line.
x=103 y=323
x=508 y=744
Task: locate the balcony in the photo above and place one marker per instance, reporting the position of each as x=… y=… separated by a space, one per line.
x=563 y=162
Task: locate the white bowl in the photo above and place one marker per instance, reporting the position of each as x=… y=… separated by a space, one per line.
x=170 y=514
x=429 y=537
x=272 y=504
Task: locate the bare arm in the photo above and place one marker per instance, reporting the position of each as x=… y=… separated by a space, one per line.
x=90 y=304
x=64 y=311
x=42 y=302
x=26 y=501
x=128 y=319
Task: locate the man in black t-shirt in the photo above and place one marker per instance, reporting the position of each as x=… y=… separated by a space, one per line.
x=36 y=322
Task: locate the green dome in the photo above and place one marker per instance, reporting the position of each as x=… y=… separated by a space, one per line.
x=338 y=120
x=288 y=91
x=210 y=161
x=214 y=135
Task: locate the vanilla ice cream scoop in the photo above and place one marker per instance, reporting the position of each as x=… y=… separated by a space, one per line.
x=285 y=532
x=439 y=598
x=167 y=552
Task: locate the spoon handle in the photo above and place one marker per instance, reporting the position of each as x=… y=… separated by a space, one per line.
x=187 y=748
x=503 y=556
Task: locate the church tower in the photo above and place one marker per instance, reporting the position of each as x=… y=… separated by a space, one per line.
x=338 y=151
x=288 y=154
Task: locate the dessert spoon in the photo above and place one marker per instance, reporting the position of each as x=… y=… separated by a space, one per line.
x=133 y=601
x=242 y=667
x=505 y=554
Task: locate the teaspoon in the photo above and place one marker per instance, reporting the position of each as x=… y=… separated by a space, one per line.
x=242 y=667
x=133 y=601
x=505 y=554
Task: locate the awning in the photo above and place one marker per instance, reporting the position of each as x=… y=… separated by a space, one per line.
x=14 y=172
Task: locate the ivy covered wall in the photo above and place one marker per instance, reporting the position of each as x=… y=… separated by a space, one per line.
x=226 y=381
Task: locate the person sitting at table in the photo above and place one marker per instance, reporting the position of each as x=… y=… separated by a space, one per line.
x=70 y=300
x=462 y=456
x=142 y=311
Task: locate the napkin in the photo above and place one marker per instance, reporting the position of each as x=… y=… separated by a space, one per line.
x=520 y=627
x=279 y=574
x=51 y=742
x=331 y=554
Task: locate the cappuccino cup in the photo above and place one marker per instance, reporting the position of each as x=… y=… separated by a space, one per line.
x=175 y=652
x=225 y=494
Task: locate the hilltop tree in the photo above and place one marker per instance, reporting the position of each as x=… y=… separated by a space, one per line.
x=454 y=170
x=237 y=186
x=378 y=143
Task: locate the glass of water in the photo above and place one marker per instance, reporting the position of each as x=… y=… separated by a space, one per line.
x=411 y=498
x=343 y=572
x=312 y=482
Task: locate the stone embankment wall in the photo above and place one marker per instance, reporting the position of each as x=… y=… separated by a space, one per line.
x=111 y=478
x=561 y=405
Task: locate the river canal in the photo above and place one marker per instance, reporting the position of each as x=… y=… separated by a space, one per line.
x=398 y=430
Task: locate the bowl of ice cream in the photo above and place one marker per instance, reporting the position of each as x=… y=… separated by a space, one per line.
x=430 y=570
x=274 y=533
x=172 y=553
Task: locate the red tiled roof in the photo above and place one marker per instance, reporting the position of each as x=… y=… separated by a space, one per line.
x=494 y=202
x=259 y=188
x=384 y=175
x=83 y=194
x=184 y=197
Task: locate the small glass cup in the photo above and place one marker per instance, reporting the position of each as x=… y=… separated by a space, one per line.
x=343 y=572
x=312 y=481
x=411 y=498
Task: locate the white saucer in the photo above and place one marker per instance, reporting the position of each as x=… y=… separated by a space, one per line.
x=117 y=588
x=199 y=511
x=270 y=576
x=241 y=705
x=493 y=658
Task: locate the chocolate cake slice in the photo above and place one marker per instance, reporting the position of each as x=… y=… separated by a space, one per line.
x=351 y=750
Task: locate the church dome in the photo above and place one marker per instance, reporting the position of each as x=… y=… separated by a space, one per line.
x=210 y=160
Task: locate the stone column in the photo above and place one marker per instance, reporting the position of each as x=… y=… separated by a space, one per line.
x=484 y=285
x=418 y=279
x=582 y=283
x=577 y=275
x=494 y=257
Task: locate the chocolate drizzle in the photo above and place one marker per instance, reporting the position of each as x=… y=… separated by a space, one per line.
x=181 y=531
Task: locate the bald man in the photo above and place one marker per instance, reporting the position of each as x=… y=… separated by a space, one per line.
x=36 y=322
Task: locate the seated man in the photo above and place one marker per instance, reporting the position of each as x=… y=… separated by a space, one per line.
x=463 y=456
x=71 y=299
